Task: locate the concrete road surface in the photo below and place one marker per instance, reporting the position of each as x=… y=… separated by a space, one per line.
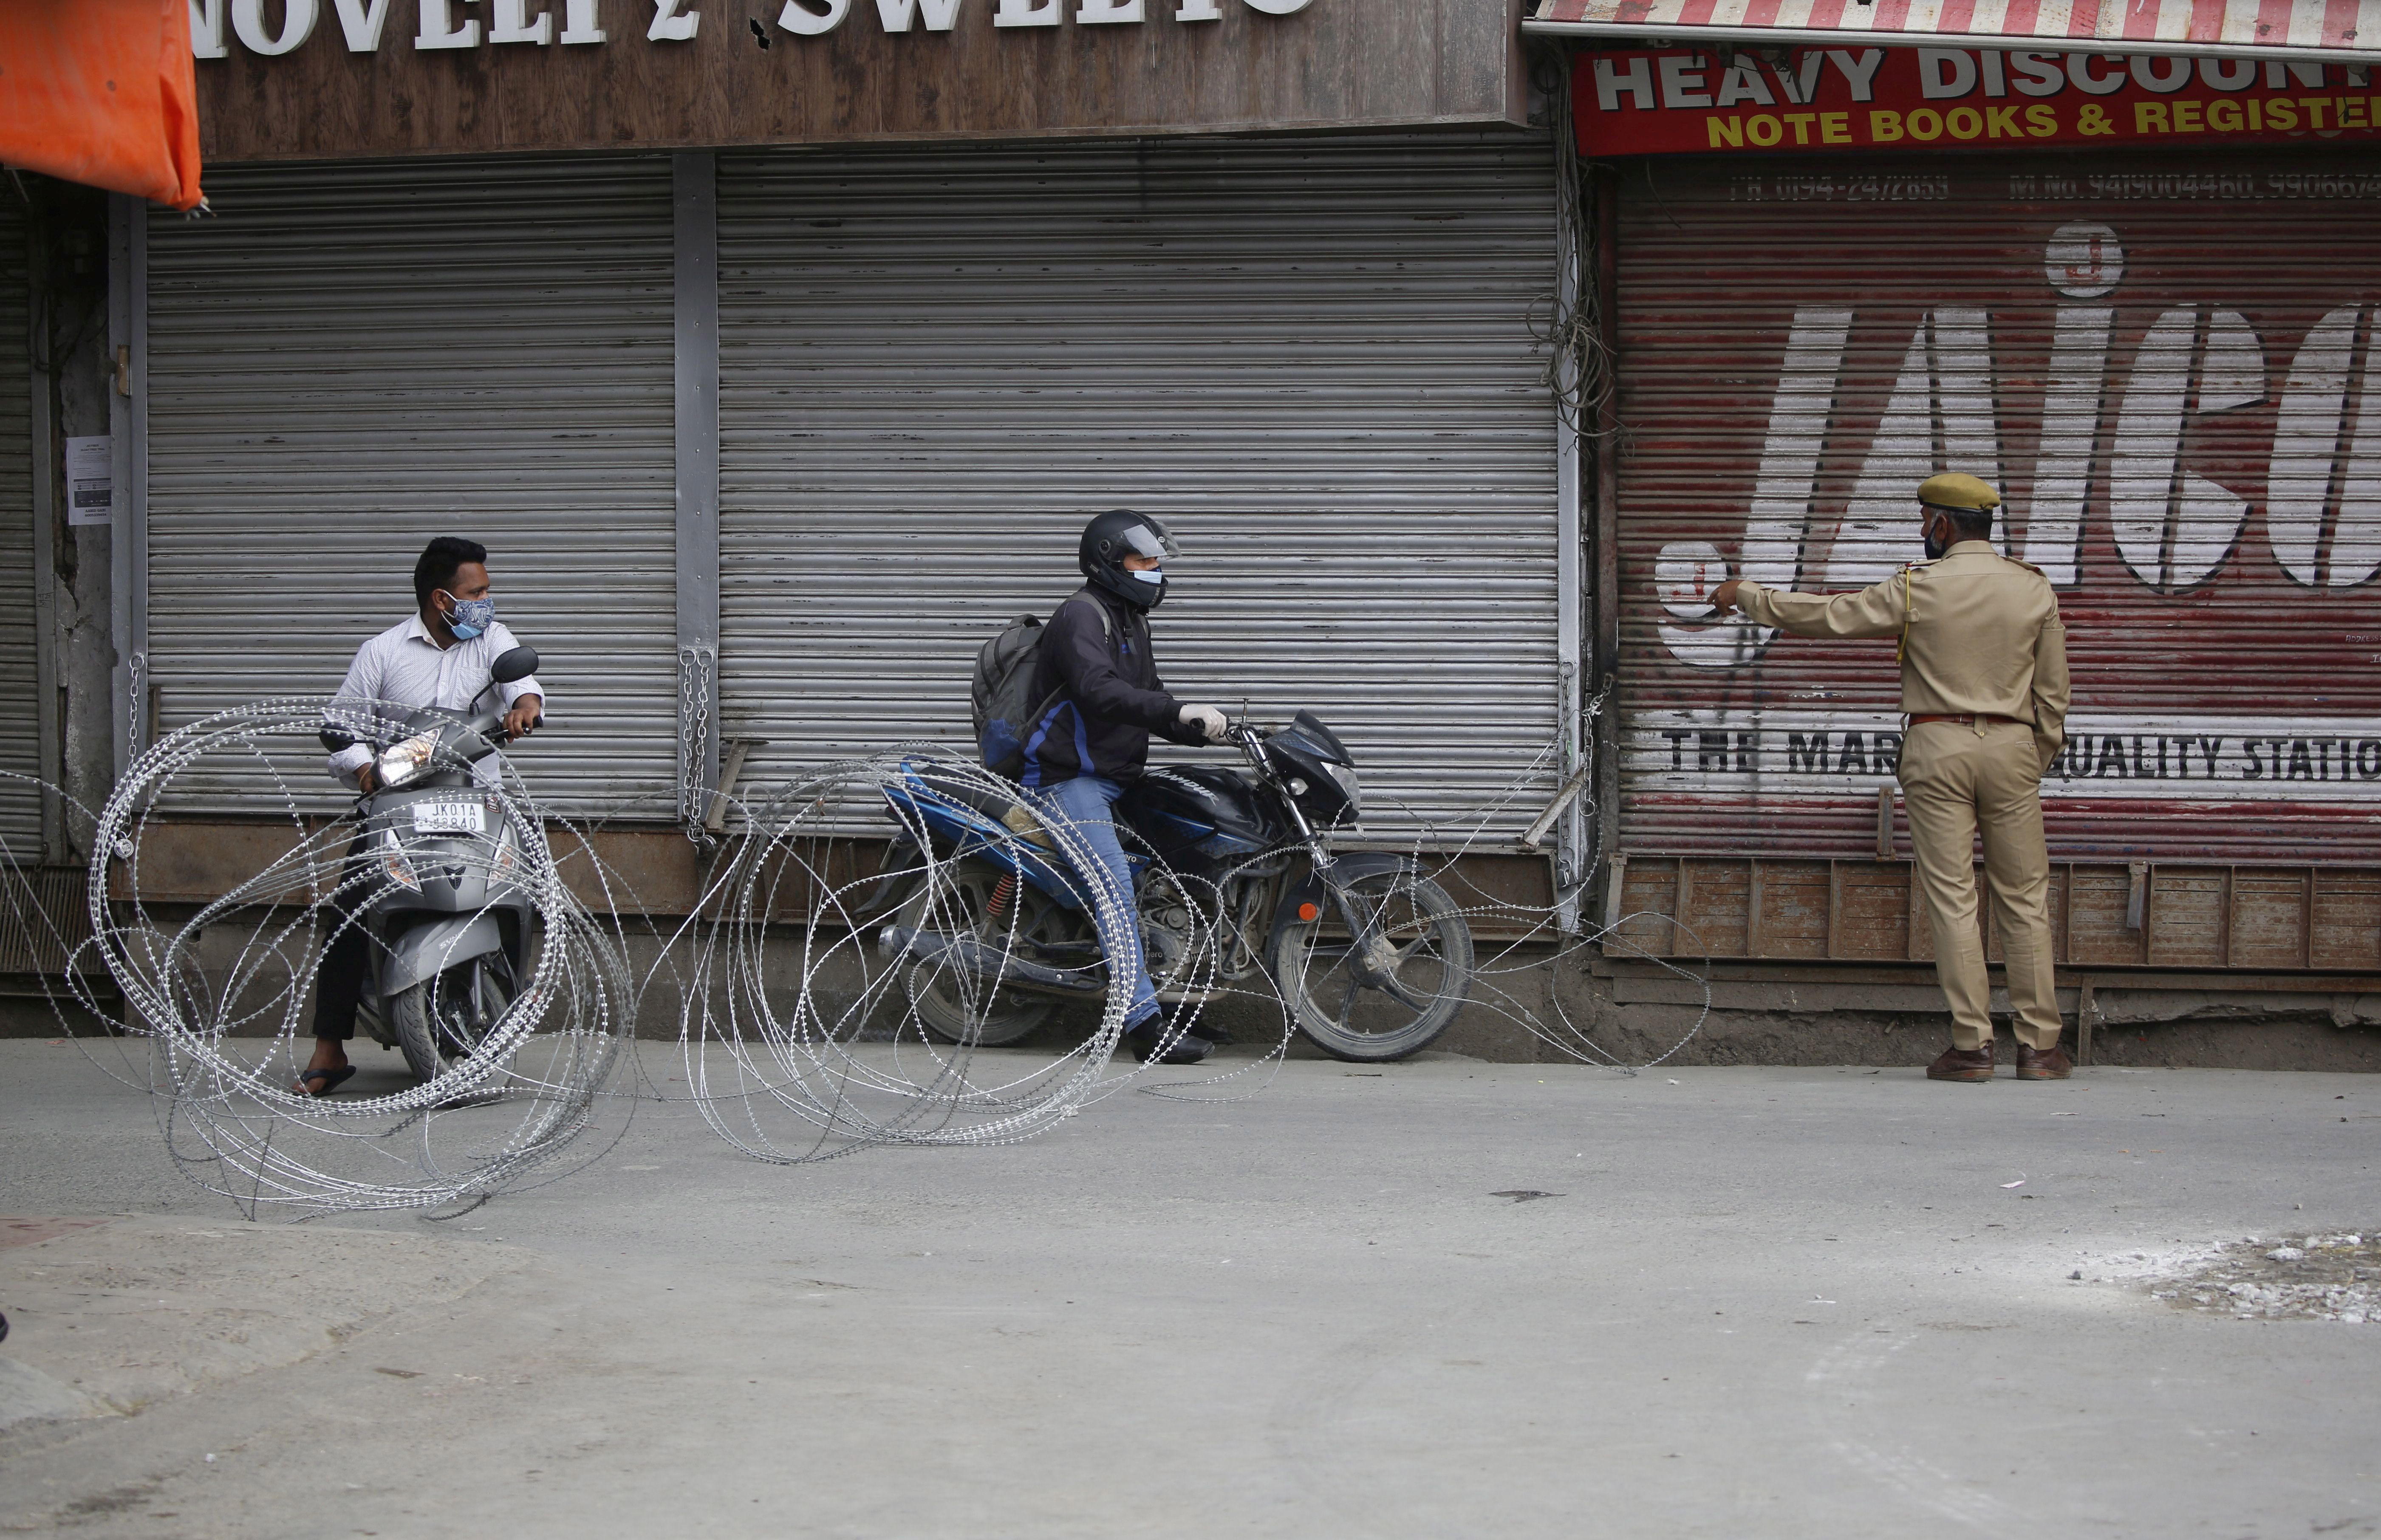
x=1754 y=1302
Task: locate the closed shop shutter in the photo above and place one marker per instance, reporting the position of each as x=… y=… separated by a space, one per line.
x=2169 y=367
x=21 y=737
x=1313 y=358
x=347 y=360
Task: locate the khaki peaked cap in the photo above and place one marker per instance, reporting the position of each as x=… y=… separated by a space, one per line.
x=1959 y=493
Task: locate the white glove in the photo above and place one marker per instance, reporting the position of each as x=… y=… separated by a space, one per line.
x=1207 y=719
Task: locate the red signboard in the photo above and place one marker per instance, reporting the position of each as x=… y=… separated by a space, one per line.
x=1683 y=101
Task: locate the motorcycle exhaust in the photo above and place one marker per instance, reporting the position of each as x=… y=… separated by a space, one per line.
x=992 y=964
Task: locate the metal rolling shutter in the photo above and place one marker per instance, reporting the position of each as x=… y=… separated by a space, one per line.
x=2191 y=444
x=1313 y=358
x=348 y=360
x=21 y=736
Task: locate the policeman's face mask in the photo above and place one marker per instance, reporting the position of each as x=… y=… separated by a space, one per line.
x=1937 y=532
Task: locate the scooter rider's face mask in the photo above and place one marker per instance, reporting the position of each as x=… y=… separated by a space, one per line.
x=469 y=617
x=1152 y=575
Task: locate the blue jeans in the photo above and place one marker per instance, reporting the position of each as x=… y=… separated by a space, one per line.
x=1087 y=804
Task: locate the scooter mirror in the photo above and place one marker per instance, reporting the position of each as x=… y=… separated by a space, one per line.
x=519 y=664
x=336 y=739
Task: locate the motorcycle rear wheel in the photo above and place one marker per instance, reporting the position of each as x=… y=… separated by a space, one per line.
x=1363 y=1022
x=436 y=1021
x=958 y=1008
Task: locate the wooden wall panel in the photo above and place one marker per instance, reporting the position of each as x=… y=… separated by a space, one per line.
x=2264 y=919
x=1338 y=64
x=2097 y=931
x=1872 y=912
x=2186 y=929
x=1794 y=908
x=2269 y=918
x=1714 y=904
x=2347 y=920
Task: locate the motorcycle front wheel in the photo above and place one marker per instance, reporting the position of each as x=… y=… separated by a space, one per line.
x=1385 y=994
x=445 y=1016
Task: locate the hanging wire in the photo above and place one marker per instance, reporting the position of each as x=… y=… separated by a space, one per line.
x=1580 y=371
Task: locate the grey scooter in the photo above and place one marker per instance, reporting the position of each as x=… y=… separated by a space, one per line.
x=447 y=920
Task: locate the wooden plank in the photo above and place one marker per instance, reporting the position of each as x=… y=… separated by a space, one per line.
x=1873 y=910
x=1714 y=910
x=1649 y=889
x=2346 y=928
x=1794 y=897
x=2269 y=918
x=2186 y=917
x=2100 y=897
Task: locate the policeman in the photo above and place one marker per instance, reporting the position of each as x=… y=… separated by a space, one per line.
x=1984 y=681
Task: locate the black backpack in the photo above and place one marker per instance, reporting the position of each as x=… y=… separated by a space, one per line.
x=1001 y=703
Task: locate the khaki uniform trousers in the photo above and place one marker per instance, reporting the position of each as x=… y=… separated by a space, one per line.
x=1959 y=778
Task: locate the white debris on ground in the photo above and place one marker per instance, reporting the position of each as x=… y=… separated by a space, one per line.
x=2324 y=1277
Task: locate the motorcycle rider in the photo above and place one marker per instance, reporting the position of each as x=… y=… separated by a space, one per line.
x=439 y=656
x=1095 y=658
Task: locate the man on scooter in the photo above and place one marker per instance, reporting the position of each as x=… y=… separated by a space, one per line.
x=1095 y=658
x=439 y=656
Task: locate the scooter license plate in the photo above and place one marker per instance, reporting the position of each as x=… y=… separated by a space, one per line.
x=449 y=818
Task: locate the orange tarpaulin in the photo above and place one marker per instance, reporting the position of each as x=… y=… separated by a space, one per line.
x=102 y=92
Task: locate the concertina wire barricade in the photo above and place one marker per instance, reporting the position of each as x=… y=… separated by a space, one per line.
x=799 y=1028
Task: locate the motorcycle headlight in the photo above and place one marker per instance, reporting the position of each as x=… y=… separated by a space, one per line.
x=1346 y=775
x=400 y=763
x=393 y=861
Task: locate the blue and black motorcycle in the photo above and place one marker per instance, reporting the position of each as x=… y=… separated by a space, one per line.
x=1234 y=879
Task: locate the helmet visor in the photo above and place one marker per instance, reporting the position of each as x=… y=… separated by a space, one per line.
x=1149 y=537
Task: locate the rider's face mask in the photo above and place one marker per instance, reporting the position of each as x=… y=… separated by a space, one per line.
x=470 y=616
x=1153 y=575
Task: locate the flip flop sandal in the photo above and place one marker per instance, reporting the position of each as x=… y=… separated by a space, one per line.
x=332 y=1079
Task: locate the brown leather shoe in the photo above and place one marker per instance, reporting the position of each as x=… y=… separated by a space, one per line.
x=1962 y=1064
x=2042 y=1064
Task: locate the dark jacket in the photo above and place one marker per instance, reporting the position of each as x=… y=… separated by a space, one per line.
x=1109 y=697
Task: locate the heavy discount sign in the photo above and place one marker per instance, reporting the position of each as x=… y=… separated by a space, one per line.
x=1675 y=102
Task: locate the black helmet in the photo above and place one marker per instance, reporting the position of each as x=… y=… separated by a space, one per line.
x=1114 y=535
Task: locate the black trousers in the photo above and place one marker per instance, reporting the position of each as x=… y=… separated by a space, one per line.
x=340 y=971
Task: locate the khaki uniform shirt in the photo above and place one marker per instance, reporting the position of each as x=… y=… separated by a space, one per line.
x=1981 y=636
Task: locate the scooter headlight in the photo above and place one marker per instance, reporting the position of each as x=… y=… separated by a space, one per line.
x=400 y=762
x=393 y=861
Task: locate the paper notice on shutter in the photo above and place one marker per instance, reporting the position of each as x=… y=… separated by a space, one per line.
x=90 y=480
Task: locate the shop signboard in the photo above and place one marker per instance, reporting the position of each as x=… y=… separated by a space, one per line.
x=1784 y=101
x=283 y=79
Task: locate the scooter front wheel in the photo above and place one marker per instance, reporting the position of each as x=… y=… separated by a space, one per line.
x=444 y=1016
x=1388 y=992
